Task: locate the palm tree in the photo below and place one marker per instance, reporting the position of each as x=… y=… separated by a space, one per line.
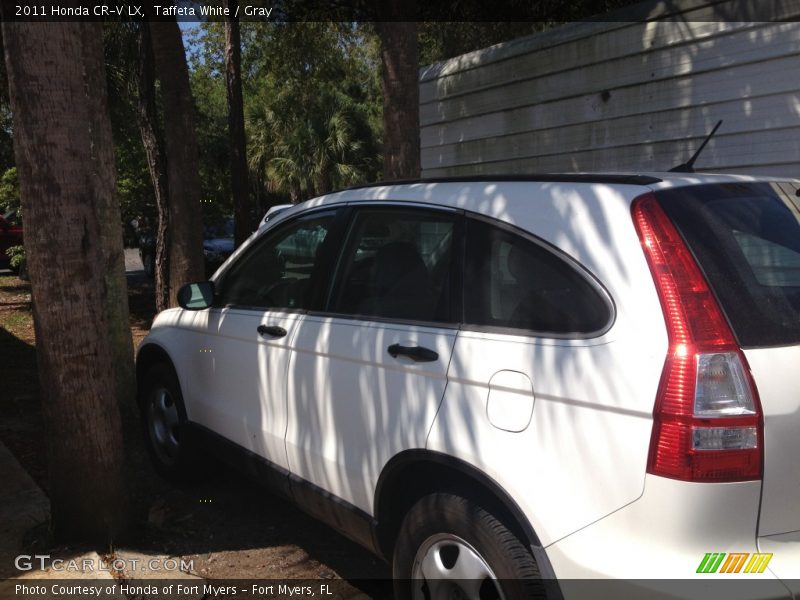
x=311 y=147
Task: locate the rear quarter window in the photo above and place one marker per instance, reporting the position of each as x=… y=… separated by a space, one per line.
x=746 y=239
x=513 y=282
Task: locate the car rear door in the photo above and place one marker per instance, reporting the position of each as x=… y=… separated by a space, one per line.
x=368 y=373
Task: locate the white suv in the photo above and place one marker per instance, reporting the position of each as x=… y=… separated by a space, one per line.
x=506 y=385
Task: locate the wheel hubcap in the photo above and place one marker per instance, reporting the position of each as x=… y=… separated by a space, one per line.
x=447 y=567
x=163 y=422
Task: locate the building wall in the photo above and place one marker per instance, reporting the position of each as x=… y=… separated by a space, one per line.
x=619 y=96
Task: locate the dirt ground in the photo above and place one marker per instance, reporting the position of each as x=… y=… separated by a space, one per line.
x=226 y=525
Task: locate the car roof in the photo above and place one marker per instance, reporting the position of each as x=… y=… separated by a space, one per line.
x=624 y=178
x=432 y=190
x=503 y=194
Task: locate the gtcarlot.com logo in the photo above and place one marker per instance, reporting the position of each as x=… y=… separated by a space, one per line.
x=735 y=562
x=26 y=562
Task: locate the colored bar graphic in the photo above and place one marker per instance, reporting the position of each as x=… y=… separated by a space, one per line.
x=710 y=562
x=758 y=563
x=703 y=563
x=733 y=564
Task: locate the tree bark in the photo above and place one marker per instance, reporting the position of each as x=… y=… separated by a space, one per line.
x=64 y=156
x=400 y=84
x=110 y=218
x=180 y=141
x=156 y=162
x=243 y=225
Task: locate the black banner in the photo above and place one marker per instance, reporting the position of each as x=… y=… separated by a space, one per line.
x=266 y=11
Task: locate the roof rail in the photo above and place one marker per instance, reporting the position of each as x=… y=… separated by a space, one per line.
x=545 y=177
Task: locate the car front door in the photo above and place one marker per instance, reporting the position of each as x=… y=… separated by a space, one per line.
x=368 y=373
x=240 y=392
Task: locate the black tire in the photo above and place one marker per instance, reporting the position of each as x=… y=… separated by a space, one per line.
x=447 y=525
x=167 y=438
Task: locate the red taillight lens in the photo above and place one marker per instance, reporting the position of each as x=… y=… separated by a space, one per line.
x=707 y=419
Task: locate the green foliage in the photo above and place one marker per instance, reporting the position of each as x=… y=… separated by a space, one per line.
x=9 y=190
x=6 y=140
x=16 y=254
x=439 y=40
x=134 y=187
x=312 y=103
x=207 y=77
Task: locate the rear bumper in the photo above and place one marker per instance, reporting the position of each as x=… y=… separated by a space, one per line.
x=653 y=547
x=785 y=562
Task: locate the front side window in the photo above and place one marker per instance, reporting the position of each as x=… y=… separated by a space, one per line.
x=512 y=282
x=281 y=271
x=397 y=265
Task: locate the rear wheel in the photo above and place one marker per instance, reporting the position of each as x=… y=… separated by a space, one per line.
x=452 y=548
x=165 y=423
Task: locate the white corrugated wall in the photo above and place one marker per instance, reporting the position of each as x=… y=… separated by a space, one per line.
x=622 y=96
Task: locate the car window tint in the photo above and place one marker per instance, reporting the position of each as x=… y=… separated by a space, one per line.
x=513 y=282
x=280 y=271
x=746 y=239
x=397 y=265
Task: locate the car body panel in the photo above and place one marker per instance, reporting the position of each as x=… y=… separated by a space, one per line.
x=353 y=406
x=576 y=468
x=567 y=482
x=777 y=377
x=785 y=562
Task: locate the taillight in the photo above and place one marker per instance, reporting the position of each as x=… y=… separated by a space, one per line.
x=707 y=421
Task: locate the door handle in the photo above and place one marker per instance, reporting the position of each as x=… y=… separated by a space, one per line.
x=271 y=330
x=415 y=353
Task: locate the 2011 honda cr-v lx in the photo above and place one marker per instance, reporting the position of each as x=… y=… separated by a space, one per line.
x=499 y=382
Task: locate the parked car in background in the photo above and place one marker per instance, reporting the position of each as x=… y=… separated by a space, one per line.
x=512 y=387
x=218 y=245
x=10 y=235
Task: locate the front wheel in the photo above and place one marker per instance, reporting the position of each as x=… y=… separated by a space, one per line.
x=165 y=423
x=450 y=547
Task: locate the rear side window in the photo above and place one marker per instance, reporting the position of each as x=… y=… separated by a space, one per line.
x=397 y=265
x=513 y=282
x=746 y=239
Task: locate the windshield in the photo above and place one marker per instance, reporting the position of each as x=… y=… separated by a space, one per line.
x=746 y=239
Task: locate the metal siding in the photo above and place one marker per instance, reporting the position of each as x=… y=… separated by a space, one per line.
x=621 y=96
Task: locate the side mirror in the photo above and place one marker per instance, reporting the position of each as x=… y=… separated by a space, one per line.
x=196 y=296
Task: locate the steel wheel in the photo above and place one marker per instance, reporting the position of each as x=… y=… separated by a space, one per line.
x=452 y=548
x=164 y=424
x=446 y=567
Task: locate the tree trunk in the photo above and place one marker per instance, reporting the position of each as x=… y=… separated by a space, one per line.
x=110 y=218
x=64 y=156
x=156 y=162
x=400 y=84
x=233 y=77
x=183 y=177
